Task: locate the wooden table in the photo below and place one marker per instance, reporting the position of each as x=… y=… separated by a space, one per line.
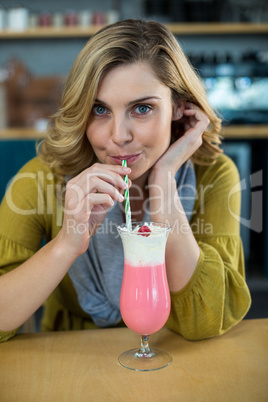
x=82 y=366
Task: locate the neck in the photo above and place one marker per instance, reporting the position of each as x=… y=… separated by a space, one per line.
x=138 y=195
x=139 y=183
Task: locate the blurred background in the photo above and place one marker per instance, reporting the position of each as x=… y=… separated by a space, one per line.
x=227 y=43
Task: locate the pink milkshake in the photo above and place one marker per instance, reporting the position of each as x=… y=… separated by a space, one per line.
x=145 y=297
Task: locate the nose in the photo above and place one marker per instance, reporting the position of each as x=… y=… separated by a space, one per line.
x=120 y=131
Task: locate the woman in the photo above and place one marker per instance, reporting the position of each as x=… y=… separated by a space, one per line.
x=131 y=94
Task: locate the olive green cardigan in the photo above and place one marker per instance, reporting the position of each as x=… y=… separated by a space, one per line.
x=215 y=298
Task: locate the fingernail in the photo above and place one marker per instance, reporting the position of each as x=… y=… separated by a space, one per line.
x=121 y=198
x=126 y=169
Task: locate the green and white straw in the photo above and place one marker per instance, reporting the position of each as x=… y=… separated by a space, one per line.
x=127 y=204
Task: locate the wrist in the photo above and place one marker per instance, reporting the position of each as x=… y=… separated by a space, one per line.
x=64 y=249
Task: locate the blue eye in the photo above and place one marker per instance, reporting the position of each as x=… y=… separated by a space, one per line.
x=99 y=110
x=142 y=109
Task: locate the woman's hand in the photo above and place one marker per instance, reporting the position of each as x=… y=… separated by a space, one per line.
x=88 y=198
x=164 y=198
x=195 y=122
x=182 y=250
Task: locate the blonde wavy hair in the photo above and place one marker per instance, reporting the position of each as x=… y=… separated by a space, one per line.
x=66 y=147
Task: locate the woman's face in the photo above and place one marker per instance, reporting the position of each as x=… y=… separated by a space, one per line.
x=131 y=118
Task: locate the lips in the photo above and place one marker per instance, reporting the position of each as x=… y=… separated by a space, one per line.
x=129 y=158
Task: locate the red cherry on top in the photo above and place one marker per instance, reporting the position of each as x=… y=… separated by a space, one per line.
x=145 y=231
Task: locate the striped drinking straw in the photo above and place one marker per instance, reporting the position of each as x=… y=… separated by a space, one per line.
x=127 y=204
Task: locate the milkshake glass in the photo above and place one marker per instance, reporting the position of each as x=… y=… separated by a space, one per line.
x=145 y=296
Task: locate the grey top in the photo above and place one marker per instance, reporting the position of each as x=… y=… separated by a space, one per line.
x=97 y=274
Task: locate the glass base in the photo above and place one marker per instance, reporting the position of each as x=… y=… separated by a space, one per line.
x=135 y=359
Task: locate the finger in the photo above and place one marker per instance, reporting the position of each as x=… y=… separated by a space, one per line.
x=93 y=200
x=93 y=182
x=104 y=168
x=110 y=178
x=112 y=174
x=191 y=105
x=97 y=185
x=74 y=196
x=201 y=125
x=196 y=118
x=194 y=136
x=195 y=111
x=122 y=191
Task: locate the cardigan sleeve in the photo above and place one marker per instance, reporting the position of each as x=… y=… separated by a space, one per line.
x=216 y=297
x=12 y=255
x=23 y=220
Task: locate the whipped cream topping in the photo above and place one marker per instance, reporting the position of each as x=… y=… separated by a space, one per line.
x=142 y=250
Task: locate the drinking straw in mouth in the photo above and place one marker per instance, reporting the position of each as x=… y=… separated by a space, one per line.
x=126 y=195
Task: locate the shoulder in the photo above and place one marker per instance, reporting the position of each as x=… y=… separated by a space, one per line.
x=30 y=184
x=223 y=170
x=34 y=173
x=35 y=165
x=23 y=211
x=218 y=197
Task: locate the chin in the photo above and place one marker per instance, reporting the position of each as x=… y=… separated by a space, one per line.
x=134 y=175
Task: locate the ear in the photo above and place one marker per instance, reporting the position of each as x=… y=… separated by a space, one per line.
x=178 y=108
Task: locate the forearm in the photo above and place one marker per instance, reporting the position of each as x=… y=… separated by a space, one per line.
x=216 y=297
x=182 y=250
x=24 y=289
x=182 y=253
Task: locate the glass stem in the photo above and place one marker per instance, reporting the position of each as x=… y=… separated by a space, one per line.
x=145 y=348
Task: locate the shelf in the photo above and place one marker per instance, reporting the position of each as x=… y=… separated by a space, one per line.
x=217 y=28
x=245 y=132
x=50 y=32
x=176 y=28
x=20 y=134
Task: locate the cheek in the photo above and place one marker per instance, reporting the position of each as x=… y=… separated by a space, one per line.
x=161 y=133
x=89 y=132
x=92 y=136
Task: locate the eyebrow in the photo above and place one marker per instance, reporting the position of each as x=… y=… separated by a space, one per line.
x=131 y=102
